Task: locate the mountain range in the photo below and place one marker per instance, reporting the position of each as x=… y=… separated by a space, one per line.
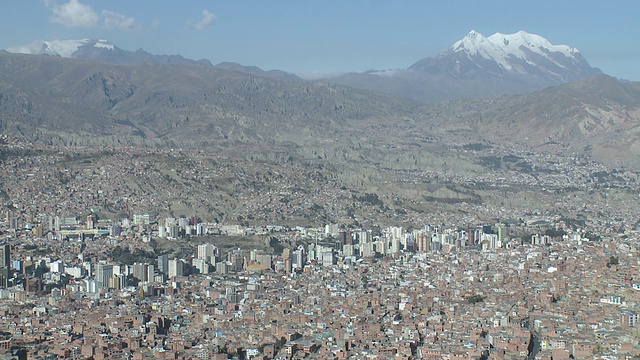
x=106 y=51
x=473 y=67
x=57 y=100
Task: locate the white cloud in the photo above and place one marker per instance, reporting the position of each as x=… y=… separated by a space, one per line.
x=32 y=48
x=113 y=20
x=73 y=14
x=207 y=20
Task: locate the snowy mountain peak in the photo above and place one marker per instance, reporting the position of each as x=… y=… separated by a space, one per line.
x=62 y=48
x=473 y=34
x=103 y=43
x=472 y=41
x=508 y=49
x=520 y=62
x=100 y=50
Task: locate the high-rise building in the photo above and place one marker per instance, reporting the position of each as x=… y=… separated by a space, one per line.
x=115 y=230
x=201 y=265
x=13 y=223
x=117 y=281
x=176 y=268
x=151 y=273
x=141 y=219
x=103 y=273
x=173 y=231
x=331 y=229
x=221 y=268
x=297 y=258
x=143 y=272
x=327 y=258
x=183 y=222
x=163 y=264
x=236 y=259
x=347 y=250
x=5 y=264
x=201 y=229
x=91 y=222
x=162 y=230
x=5 y=255
x=206 y=251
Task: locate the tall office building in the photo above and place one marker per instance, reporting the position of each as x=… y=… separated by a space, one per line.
x=141 y=219
x=176 y=268
x=206 y=251
x=163 y=264
x=5 y=264
x=103 y=273
x=91 y=222
x=143 y=272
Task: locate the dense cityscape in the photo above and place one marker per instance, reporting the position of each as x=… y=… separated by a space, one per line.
x=76 y=285
x=319 y=180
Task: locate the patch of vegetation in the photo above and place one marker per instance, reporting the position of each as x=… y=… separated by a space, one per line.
x=476 y=147
x=554 y=233
x=125 y=256
x=525 y=166
x=511 y=158
x=369 y=198
x=491 y=162
x=593 y=237
x=276 y=245
x=475 y=299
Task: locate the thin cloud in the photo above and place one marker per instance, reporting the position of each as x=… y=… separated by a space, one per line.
x=114 y=20
x=207 y=20
x=73 y=14
x=32 y=48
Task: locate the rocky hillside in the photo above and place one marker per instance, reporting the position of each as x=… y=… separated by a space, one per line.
x=598 y=117
x=65 y=101
x=72 y=101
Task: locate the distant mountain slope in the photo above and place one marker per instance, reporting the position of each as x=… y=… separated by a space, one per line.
x=106 y=51
x=480 y=67
x=54 y=99
x=68 y=101
x=254 y=70
x=101 y=50
x=598 y=116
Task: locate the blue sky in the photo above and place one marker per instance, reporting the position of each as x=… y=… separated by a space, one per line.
x=306 y=36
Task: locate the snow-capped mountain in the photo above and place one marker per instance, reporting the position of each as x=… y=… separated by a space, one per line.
x=104 y=50
x=516 y=54
x=100 y=50
x=62 y=48
x=66 y=48
x=479 y=66
x=503 y=49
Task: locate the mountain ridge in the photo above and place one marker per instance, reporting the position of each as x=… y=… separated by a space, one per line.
x=473 y=67
x=71 y=101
